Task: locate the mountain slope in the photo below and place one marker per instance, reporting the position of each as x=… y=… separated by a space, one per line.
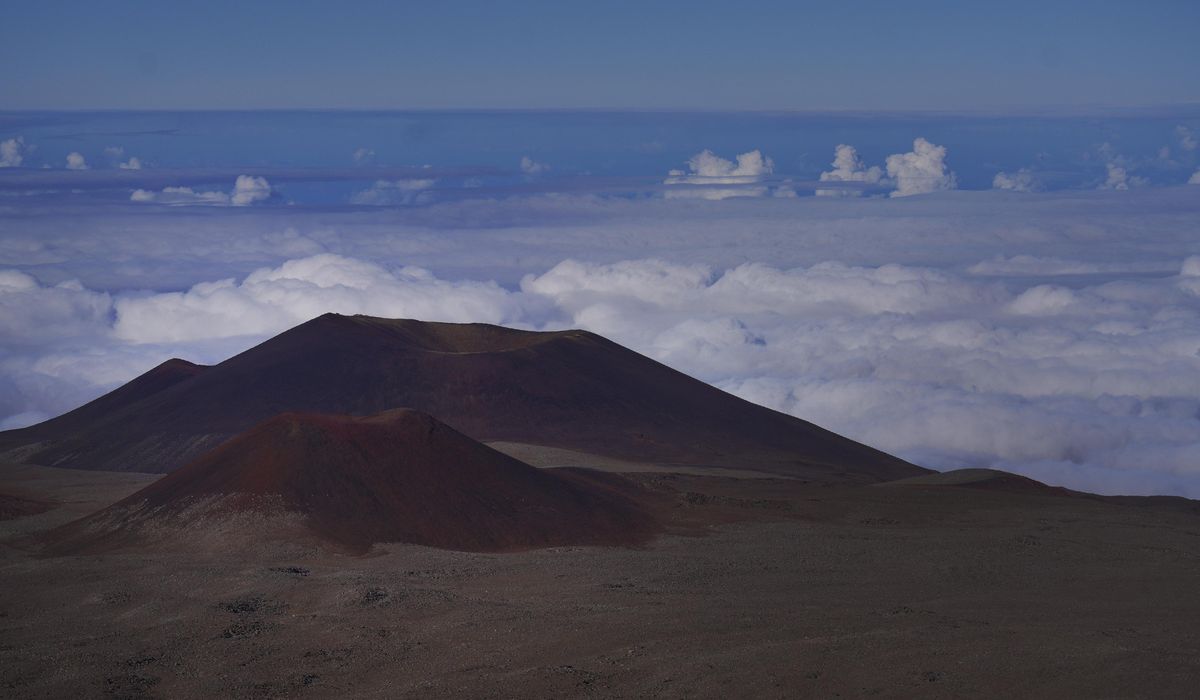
x=399 y=476
x=569 y=389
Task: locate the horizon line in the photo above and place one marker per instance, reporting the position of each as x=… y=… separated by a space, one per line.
x=1032 y=110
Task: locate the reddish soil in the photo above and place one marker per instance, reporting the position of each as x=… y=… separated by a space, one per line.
x=12 y=506
x=399 y=476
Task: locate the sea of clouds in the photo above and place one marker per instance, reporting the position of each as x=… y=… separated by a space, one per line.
x=1052 y=334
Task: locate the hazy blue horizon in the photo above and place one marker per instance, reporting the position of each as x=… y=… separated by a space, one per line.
x=766 y=54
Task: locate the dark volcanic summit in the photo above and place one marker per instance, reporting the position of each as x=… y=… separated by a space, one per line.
x=568 y=389
x=399 y=476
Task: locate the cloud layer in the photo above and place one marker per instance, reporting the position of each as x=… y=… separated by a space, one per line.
x=247 y=190
x=707 y=169
x=1094 y=385
x=394 y=192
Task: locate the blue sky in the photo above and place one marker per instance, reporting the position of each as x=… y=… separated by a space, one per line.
x=626 y=55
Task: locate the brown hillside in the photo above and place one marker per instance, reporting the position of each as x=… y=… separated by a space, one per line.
x=569 y=389
x=399 y=476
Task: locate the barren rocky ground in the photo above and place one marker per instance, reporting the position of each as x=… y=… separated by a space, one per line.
x=762 y=588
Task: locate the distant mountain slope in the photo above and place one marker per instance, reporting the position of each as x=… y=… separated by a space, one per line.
x=999 y=481
x=399 y=476
x=569 y=389
x=983 y=479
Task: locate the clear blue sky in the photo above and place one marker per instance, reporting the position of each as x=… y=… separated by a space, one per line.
x=914 y=54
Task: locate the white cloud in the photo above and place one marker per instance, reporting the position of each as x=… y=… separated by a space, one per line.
x=1187 y=139
x=921 y=170
x=33 y=313
x=708 y=169
x=180 y=196
x=363 y=155
x=1190 y=267
x=75 y=161
x=1050 y=382
x=1034 y=334
x=530 y=166
x=1021 y=181
x=270 y=300
x=1195 y=178
x=848 y=167
x=1035 y=266
x=707 y=166
x=116 y=153
x=247 y=190
x=12 y=152
x=1119 y=179
x=398 y=192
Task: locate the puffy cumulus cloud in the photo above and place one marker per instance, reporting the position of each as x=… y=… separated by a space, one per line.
x=363 y=156
x=75 y=161
x=1022 y=180
x=530 y=166
x=12 y=152
x=708 y=169
x=1194 y=179
x=116 y=153
x=247 y=190
x=397 y=192
x=270 y=300
x=921 y=170
x=1187 y=138
x=848 y=167
x=1119 y=179
x=707 y=166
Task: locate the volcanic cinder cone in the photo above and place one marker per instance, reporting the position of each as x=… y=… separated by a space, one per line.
x=567 y=389
x=399 y=476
